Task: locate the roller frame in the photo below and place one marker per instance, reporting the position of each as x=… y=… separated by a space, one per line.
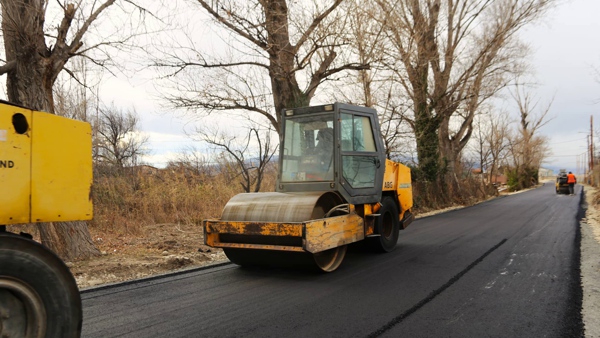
x=317 y=235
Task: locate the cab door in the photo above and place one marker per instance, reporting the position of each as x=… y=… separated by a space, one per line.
x=362 y=156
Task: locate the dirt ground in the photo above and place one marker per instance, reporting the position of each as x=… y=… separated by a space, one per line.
x=165 y=248
x=158 y=249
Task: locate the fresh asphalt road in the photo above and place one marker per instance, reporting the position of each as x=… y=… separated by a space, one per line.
x=504 y=268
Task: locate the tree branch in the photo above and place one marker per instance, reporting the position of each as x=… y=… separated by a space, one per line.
x=314 y=25
x=228 y=24
x=7 y=67
x=77 y=43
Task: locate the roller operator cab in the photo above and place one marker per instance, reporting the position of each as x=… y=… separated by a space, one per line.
x=335 y=187
x=332 y=148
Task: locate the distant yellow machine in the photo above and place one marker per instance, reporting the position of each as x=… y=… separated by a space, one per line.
x=562 y=187
x=335 y=187
x=46 y=176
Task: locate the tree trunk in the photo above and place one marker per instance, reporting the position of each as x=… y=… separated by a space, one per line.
x=427 y=146
x=29 y=83
x=69 y=240
x=25 y=48
x=450 y=149
x=286 y=91
x=426 y=126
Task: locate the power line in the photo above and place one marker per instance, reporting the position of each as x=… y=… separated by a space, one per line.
x=579 y=139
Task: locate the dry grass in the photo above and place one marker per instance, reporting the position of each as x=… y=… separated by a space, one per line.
x=125 y=203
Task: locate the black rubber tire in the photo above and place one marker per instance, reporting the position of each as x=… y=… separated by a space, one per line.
x=28 y=266
x=387 y=226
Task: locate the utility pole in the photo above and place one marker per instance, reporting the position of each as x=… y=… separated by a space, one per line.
x=591 y=149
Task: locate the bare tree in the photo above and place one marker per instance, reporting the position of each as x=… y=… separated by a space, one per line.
x=479 y=141
x=375 y=86
x=453 y=56
x=36 y=52
x=490 y=141
x=497 y=143
x=528 y=149
x=76 y=93
x=118 y=142
x=191 y=160
x=235 y=152
x=283 y=51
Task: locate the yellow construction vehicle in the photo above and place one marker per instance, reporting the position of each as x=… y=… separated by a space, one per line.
x=335 y=187
x=46 y=176
x=562 y=187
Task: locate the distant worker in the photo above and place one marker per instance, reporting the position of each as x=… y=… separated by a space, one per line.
x=571 y=180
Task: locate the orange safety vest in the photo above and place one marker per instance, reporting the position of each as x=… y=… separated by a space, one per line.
x=571 y=178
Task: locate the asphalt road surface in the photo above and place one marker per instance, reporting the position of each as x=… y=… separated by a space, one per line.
x=505 y=268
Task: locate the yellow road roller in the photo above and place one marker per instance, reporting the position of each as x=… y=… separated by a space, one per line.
x=334 y=187
x=46 y=176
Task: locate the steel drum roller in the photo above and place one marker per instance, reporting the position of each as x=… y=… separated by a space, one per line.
x=282 y=207
x=279 y=207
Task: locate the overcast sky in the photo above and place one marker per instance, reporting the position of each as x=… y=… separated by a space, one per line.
x=565 y=47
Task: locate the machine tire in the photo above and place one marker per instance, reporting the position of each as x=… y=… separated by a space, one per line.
x=387 y=225
x=38 y=291
x=330 y=260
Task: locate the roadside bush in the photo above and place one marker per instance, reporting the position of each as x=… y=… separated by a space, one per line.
x=448 y=190
x=521 y=178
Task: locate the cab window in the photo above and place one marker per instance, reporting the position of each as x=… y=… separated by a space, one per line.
x=357 y=134
x=308 y=149
x=359 y=154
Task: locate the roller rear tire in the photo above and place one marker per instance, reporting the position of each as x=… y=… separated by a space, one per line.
x=38 y=294
x=388 y=227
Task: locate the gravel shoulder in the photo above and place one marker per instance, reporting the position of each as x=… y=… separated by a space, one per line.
x=590 y=263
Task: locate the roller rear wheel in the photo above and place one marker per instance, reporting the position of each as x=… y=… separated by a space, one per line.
x=388 y=227
x=38 y=294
